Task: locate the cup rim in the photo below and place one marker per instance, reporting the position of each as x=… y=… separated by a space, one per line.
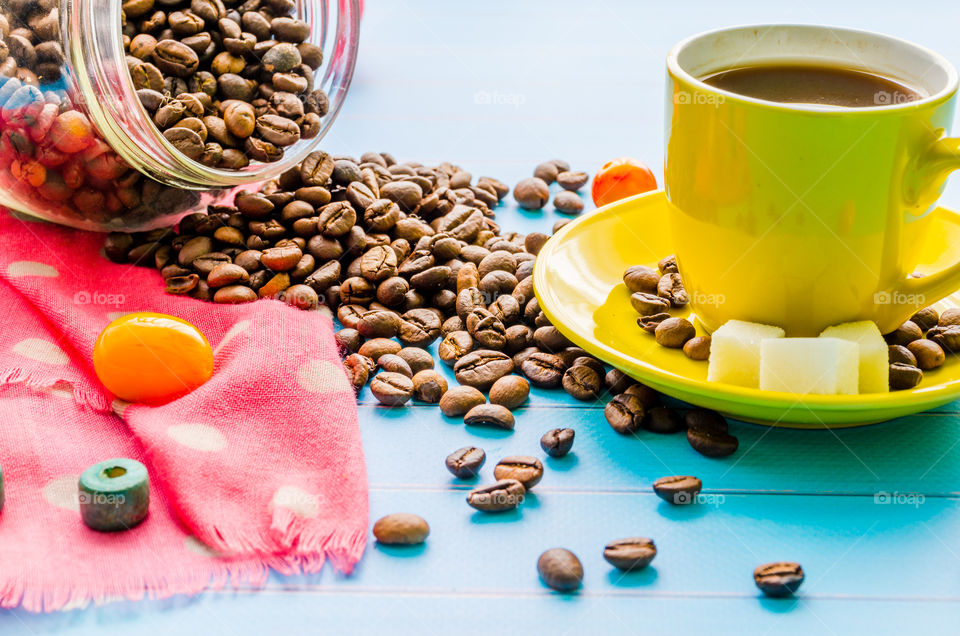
x=675 y=69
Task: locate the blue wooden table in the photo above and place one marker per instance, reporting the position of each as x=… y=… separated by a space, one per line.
x=872 y=514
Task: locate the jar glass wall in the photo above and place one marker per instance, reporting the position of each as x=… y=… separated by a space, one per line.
x=79 y=146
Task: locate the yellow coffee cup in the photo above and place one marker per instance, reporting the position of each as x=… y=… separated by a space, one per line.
x=805 y=216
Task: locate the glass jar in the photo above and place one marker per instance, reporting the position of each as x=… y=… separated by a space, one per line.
x=77 y=144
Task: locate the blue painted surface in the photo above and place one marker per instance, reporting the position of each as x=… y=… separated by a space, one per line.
x=871 y=513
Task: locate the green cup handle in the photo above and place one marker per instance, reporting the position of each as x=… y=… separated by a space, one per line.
x=933 y=168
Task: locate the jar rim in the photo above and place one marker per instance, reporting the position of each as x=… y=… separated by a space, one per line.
x=108 y=94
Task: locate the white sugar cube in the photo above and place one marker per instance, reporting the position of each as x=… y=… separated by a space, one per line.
x=735 y=352
x=824 y=366
x=874 y=357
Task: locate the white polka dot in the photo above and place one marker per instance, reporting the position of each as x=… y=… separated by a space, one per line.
x=31 y=268
x=235 y=330
x=41 y=350
x=62 y=493
x=320 y=376
x=297 y=501
x=119 y=406
x=197 y=546
x=198 y=437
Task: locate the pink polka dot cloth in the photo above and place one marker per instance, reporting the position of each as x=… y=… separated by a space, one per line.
x=259 y=468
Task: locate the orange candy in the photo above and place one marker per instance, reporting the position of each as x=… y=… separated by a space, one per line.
x=152 y=358
x=621 y=178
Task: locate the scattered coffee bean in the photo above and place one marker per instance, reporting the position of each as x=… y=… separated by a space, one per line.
x=573 y=181
x=640 y=279
x=947 y=337
x=532 y=194
x=674 y=332
x=678 y=489
x=904 y=334
x=460 y=399
x=712 y=443
x=504 y=495
x=560 y=570
x=481 y=368
x=778 y=579
x=904 y=376
x=630 y=554
x=544 y=370
x=557 y=442
x=927 y=318
x=568 y=202
x=510 y=391
x=401 y=528
x=466 y=462
x=929 y=354
x=647 y=396
x=490 y=415
x=617 y=381
x=664 y=420
x=395 y=364
x=624 y=413
x=899 y=353
x=429 y=386
x=697 y=348
x=527 y=470
x=391 y=389
x=547 y=171
x=582 y=382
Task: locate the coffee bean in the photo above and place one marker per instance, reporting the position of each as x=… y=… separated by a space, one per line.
x=624 y=413
x=706 y=420
x=899 y=353
x=668 y=265
x=711 y=443
x=568 y=202
x=460 y=399
x=572 y=180
x=175 y=58
x=401 y=528
x=504 y=495
x=663 y=420
x=377 y=347
x=929 y=354
x=379 y=324
x=181 y=285
x=557 y=442
x=904 y=376
x=674 y=332
x=640 y=279
x=525 y=469
x=651 y=322
x=617 y=381
x=546 y=171
x=678 y=489
x=395 y=364
x=544 y=370
x=582 y=382
x=697 y=348
x=466 y=462
x=226 y=274
x=630 y=554
x=391 y=389
x=454 y=346
x=947 y=337
x=429 y=386
x=532 y=194
x=234 y=294
x=510 y=391
x=489 y=415
x=778 y=579
x=904 y=334
x=348 y=340
x=481 y=368
x=927 y=318
x=560 y=570
x=418 y=359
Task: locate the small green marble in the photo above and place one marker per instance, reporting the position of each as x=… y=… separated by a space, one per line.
x=114 y=494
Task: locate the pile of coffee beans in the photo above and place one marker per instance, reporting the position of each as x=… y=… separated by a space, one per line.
x=921 y=344
x=534 y=192
x=226 y=81
x=51 y=157
x=653 y=293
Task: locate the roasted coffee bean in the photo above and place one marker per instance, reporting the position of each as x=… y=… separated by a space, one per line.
x=532 y=193
x=419 y=327
x=454 y=346
x=697 y=348
x=377 y=347
x=899 y=353
x=572 y=180
x=379 y=324
x=181 y=285
x=391 y=389
x=587 y=361
x=630 y=554
x=175 y=58
x=929 y=354
x=460 y=399
x=481 y=368
x=226 y=274
x=401 y=529
x=550 y=339
x=648 y=304
x=525 y=469
x=490 y=415
x=557 y=442
x=544 y=370
x=711 y=443
x=778 y=579
x=429 y=386
x=668 y=265
x=499 y=497
x=418 y=359
x=904 y=334
x=624 y=413
x=947 y=337
x=904 y=376
x=395 y=364
x=510 y=391
x=234 y=294
x=927 y=318
x=560 y=570
x=674 y=332
x=567 y=202
x=546 y=171
x=617 y=381
x=664 y=420
x=678 y=489
x=582 y=382
x=671 y=287
x=706 y=420
x=650 y=323
x=465 y=463
x=348 y=340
